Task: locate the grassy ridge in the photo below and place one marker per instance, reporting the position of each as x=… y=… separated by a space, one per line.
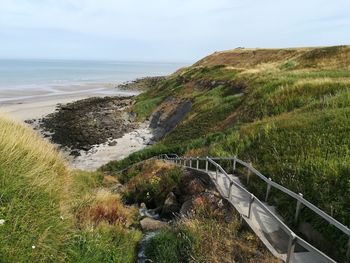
x=41 y=202
x=285 y=110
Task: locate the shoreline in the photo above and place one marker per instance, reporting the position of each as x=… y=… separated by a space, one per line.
x=36 y=105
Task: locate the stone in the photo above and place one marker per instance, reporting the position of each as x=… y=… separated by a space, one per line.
x=149 y=224
x=75 y=153
x=170 y=206
x=118 y=188
x=186 y=208
x=112 y=143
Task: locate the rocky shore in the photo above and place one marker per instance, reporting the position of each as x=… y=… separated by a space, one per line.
x=82 y=124
x=95 y=131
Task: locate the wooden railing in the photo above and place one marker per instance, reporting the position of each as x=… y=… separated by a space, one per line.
x=194 y=163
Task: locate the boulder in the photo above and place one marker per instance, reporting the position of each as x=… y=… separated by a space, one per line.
x=186 y=208
x=170 y=206
x=112 y=143
x=149 y=224
x=206 y=199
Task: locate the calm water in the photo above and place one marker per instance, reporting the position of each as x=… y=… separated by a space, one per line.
x=30 y=73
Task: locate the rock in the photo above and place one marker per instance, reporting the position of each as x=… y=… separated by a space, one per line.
x=118 y=188
x=84 y=123
x=75 y=153
x=151 y=213
x=163 y=121
x=186 y=208
x=112 y=143
x=149 y=224
x=170 y=206
x=206 y=199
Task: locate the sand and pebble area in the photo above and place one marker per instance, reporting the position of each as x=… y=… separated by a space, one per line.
x=35 y=104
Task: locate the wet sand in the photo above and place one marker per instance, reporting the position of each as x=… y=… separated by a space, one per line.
x=101 y=154
x=38 y=104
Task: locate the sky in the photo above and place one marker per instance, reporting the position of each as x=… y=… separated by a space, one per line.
x=165 y=30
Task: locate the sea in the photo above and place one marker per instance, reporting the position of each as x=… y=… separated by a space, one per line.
x=28 y=78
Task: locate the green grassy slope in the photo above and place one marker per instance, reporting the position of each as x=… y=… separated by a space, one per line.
x=40 y=203
x=285 y=110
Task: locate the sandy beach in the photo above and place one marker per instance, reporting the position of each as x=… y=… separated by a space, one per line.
x=37 y=103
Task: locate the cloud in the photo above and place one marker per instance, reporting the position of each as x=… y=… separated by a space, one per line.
x=168 y=29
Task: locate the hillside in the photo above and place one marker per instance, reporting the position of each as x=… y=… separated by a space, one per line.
x=284 y=110
x=51 y=214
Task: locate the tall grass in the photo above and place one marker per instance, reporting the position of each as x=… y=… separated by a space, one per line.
x=32 y=193
x=42 y=203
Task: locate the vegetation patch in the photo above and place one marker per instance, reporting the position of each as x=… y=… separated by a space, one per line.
x=289 y=119
x=152 y=184
x=42 y=205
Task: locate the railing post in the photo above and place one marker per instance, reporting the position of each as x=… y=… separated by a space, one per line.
x=297 y=210
x=206 y=164
x=291 y=247
x=248 y=172
x=190 y=162
x=234 y=165
x=230 y=190
x=268 y=190
x=251 y=200
x=197 y=163
x=347 y=256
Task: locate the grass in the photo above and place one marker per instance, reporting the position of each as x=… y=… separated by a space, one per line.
x=32 y=180
x=208 y=237
x=285 y=110
x=105 y=244
x=42 y=203
x=170 y=246
x=144 y=108
x=211 y=234
x=152 y=183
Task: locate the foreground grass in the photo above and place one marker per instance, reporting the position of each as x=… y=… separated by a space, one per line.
x=211 y=233
x=32 y=180
x=42 y=203
x=208 y=237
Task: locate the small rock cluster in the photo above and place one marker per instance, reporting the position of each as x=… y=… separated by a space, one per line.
x=194 y=190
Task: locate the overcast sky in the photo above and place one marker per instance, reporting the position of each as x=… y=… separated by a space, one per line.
x=165 y=30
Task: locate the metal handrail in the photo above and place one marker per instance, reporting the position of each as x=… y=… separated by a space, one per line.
x=300 y=200
x=298 y=197
x=293 y=237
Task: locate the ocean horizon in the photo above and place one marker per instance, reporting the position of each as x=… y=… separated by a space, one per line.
x=23 y=72
x=25 y=78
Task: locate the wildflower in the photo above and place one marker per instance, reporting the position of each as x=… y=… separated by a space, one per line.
x=2 y=221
